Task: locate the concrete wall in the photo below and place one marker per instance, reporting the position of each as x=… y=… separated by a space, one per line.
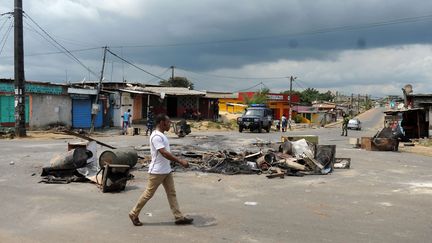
x=126 y=102
x=49 y=109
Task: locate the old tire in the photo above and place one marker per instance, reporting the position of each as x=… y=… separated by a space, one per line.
x=240 y=129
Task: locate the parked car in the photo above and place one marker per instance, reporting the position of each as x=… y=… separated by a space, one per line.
x=354 y=124
x=256 y=118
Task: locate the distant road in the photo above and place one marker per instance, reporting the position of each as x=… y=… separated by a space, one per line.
x=372 y=120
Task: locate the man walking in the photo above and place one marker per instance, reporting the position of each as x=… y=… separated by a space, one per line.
x=160 y=172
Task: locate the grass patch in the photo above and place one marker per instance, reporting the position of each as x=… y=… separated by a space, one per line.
x=427 y=142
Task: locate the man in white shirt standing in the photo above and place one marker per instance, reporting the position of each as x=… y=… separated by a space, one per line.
x=160 y=172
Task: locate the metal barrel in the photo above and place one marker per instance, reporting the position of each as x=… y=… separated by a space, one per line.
x=120 y=156
x=73 y=159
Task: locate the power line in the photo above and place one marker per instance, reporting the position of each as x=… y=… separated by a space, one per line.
x=256 y=85
x=298 y=83
x=4 y=22
x=5 y=37
x=230 y=77
x=59 y=52
x=294 y=34
x=133 y=65
x=155 y=79
x=68 y=53
x=31 y=28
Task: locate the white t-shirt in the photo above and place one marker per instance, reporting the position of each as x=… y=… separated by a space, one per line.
x=159 y=164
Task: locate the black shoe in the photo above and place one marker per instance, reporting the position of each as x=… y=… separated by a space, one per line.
x=184 y=220
x=135 y=220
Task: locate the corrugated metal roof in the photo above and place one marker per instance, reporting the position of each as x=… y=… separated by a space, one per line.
x=305 y=109
x=221 y=95
x=324 y=105
x=173 y=91
x=82 y=91
x=135 y=91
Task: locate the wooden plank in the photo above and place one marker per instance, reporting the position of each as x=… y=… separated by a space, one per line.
x=316 y=163
x=292 y=163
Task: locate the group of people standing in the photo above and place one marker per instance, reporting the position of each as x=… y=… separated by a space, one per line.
x=283 y=124
x=127 y=121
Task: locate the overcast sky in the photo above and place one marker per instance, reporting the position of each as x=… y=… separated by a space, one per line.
x=352 y=46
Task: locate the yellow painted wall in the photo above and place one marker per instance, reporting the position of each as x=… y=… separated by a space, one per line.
x=278 y=107
x=232 y=109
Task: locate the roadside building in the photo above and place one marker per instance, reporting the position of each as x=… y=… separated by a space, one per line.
x=309 y=114
x=413 y=113
x=278 y=103
x=176 y=102
x=46 y=104
x=213 y=102
x=82 y=107
x=421 y=117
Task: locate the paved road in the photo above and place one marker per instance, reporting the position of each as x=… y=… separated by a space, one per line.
x=384 y=197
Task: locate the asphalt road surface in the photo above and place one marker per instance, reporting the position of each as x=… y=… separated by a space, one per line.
x=383 y=197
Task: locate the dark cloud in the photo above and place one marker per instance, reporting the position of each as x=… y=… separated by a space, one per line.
x=206 y=36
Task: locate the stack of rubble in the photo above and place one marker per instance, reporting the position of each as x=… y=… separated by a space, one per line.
x=297 y=158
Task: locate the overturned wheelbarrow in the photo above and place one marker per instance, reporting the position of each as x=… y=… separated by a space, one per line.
x=119 y=156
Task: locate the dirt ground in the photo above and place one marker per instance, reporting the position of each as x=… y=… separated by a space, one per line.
x=417 y=149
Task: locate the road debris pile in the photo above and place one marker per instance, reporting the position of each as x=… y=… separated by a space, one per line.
x=387 y=139
x=110 y=171
x=290 y=158
x=7 y=133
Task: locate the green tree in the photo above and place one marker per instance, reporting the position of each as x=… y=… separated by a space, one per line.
x=259 y=97
x=177 y=82
x=294 y=92
x=327 y=96
x=309 y=95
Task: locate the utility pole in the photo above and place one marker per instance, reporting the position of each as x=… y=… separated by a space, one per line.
x=290 y=107
x=358 y=103
x=20 y=129
x=95 y=107
x=172 y=73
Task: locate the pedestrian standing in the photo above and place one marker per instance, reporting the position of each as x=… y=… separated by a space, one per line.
x=126 y=120
x=284 y=122
x=345 y=125
x=160 y=172
x=216 y=111
x=150 y=122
